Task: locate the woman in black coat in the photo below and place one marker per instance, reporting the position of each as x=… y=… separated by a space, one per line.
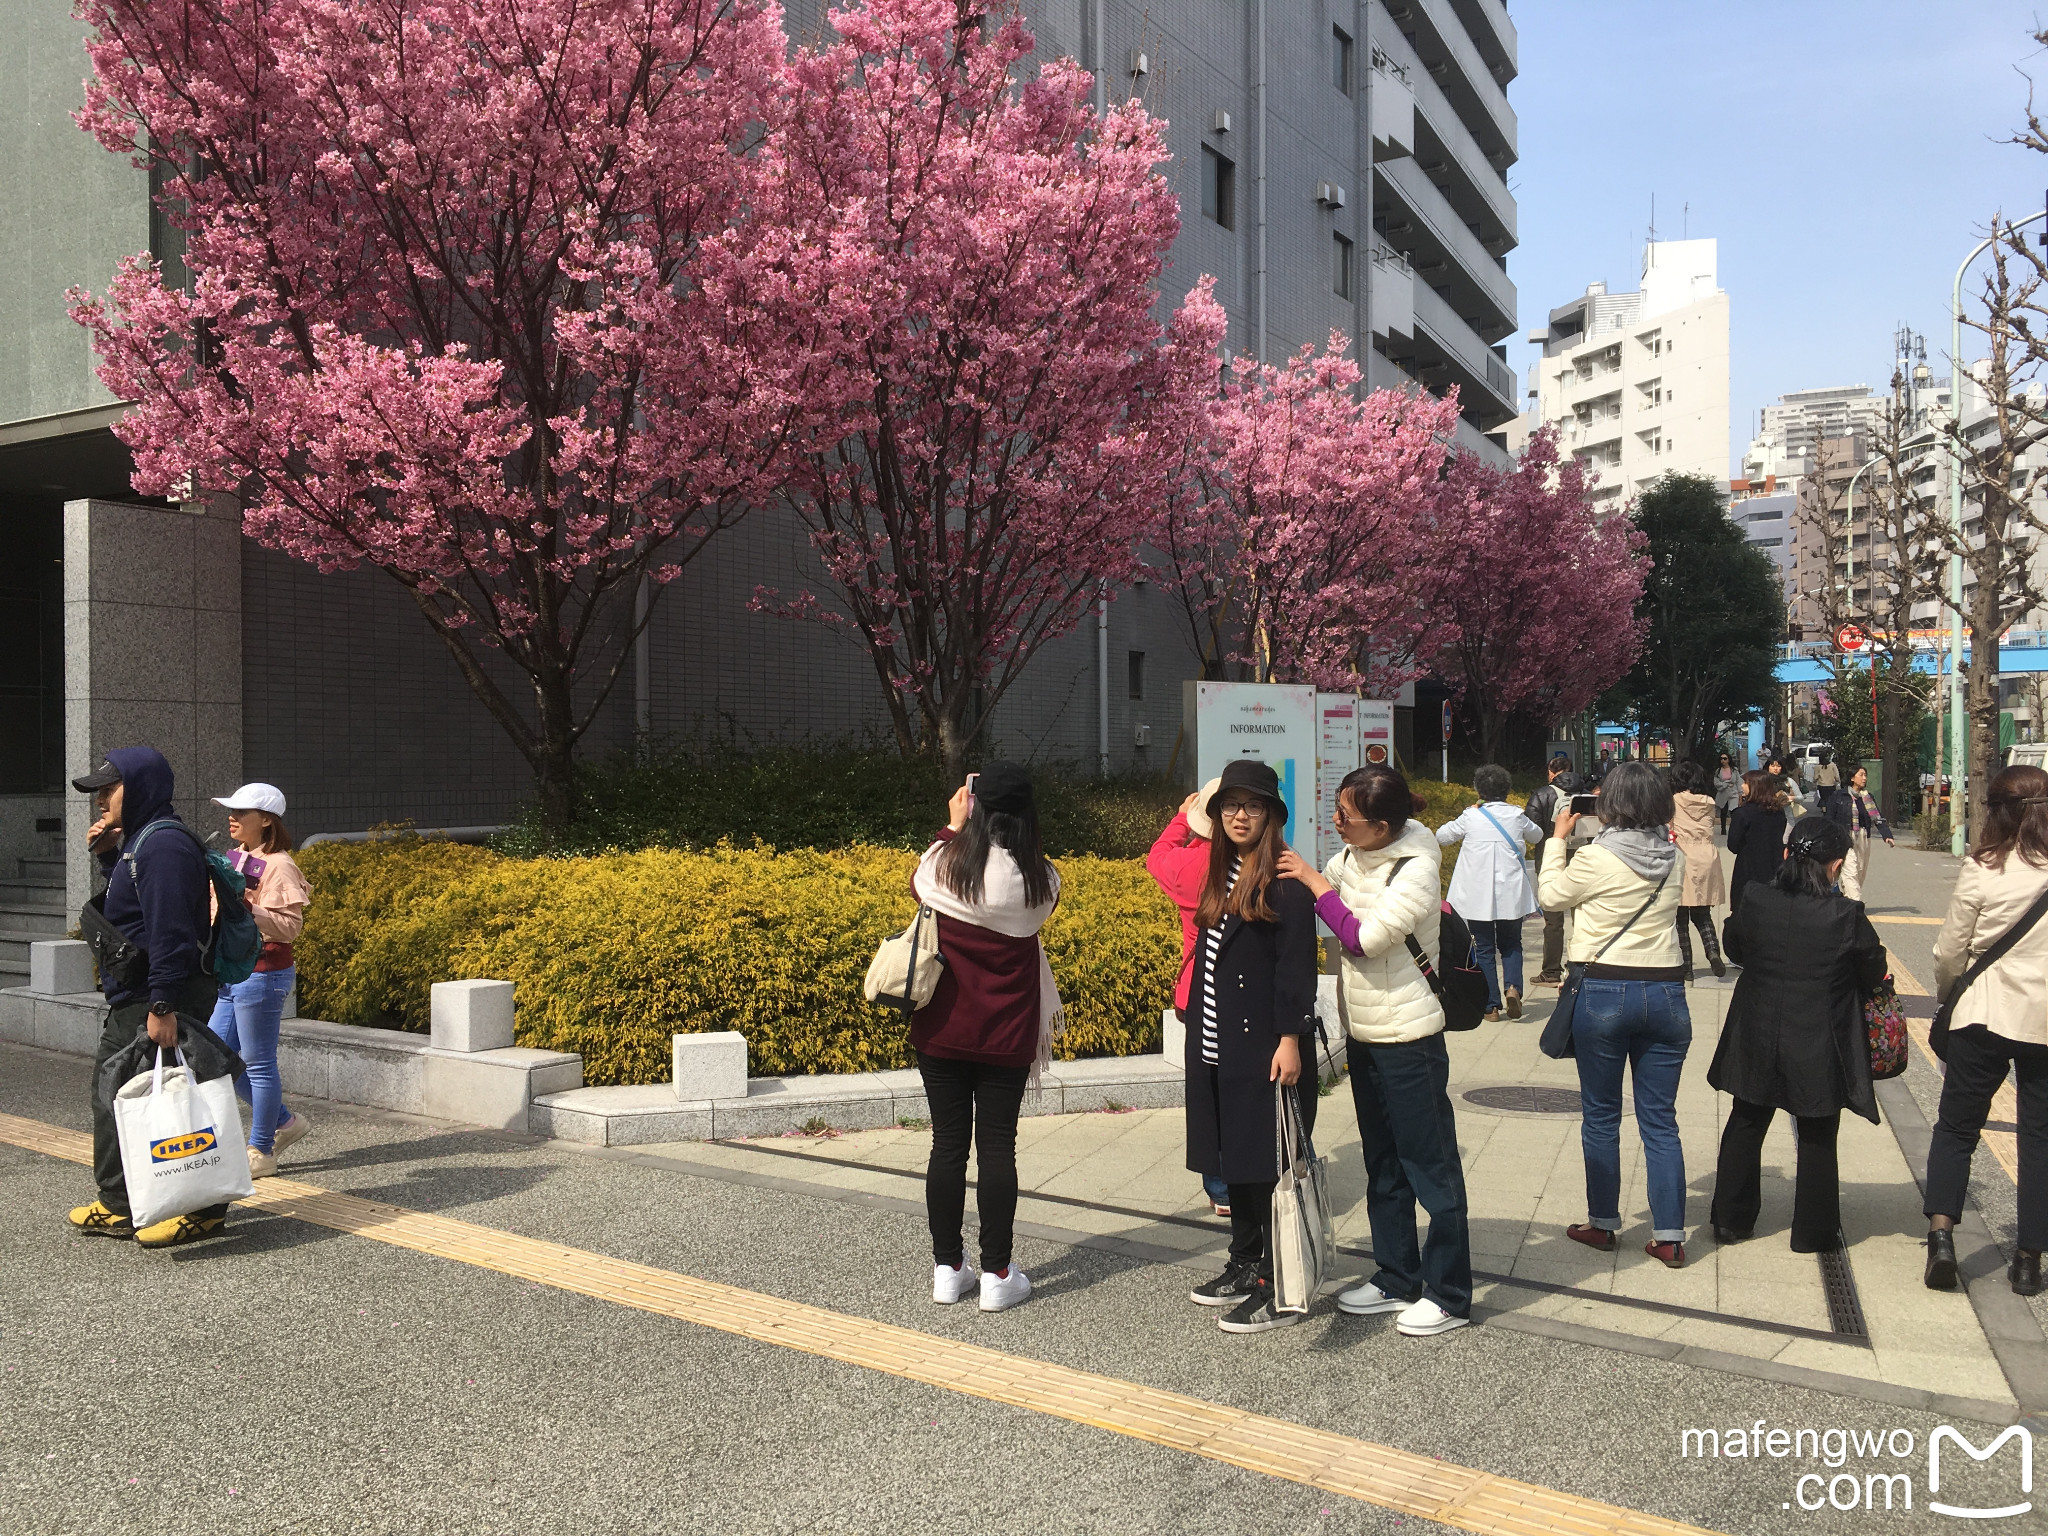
x=1756 y=832
x=1251 y=1024
x=1795 y=1038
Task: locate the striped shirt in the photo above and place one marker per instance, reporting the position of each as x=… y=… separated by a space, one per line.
x=1212 y=940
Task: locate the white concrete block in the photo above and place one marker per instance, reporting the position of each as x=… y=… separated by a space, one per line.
x=58 y=967
x=472 y=1015
x=1173 y=1035
x=472 y=1087
x=710 y=1066
x=17 y=1016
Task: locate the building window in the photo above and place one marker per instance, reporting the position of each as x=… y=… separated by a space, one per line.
x=1219 y=189
x=1136 y=660
x=1340 y=59
x=1340 y=279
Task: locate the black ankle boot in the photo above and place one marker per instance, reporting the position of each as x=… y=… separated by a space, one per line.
x=2025 y=1272
x=1941 y=1260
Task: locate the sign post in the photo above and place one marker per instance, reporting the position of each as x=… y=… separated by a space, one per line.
x=1447 y=741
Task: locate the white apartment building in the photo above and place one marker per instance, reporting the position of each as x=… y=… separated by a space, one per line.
x=1638 y=382
x=1789 y=432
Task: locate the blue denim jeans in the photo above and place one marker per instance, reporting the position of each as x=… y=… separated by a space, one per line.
x=248 y=1016
x=1409 y=1134
x=1504 y=937
x=1643 y=1026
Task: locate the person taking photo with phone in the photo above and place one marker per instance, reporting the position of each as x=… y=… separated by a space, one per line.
x=159 y=904
x=249 y=1015
x=1251 y=1013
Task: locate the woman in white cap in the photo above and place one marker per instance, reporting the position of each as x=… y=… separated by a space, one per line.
x=250 y=1013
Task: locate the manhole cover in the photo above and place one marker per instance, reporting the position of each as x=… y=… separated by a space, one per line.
x=1520 y=1099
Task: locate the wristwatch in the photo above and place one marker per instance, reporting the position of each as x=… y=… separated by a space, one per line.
x=160 y=1006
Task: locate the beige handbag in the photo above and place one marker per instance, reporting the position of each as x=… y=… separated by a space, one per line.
x=906 y=969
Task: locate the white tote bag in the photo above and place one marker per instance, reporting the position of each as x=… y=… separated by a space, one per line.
x=181 y=1143
x=1304 y=1237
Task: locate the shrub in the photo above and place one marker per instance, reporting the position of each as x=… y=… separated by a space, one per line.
x=611 y=954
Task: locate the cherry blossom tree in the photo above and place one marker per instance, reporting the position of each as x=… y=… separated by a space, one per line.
x=1539 y=593
x=979 y=254
x=470 y=294
x=1302 y=515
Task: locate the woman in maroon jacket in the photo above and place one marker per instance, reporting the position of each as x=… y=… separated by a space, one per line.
x=990 y=1024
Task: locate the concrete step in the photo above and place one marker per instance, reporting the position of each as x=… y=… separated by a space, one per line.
x=14 y=945
x=21 y=893
x=43 y=922
x=41 y=871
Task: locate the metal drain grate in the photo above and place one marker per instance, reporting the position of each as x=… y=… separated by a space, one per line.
x=1520 y=1099
x=1838 y=1284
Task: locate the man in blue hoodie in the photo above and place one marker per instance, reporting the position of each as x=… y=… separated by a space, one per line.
x=166 y=917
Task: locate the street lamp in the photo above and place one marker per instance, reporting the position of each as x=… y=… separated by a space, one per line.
x=1959 y=803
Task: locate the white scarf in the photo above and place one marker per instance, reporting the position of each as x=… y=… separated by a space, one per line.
x=1002 y=910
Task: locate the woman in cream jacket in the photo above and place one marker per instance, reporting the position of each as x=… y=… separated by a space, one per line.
x=2000 y=1023
x=1623 y=890
x=1379 y=893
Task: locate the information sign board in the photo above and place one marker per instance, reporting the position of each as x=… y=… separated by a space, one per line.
x=1272 y=722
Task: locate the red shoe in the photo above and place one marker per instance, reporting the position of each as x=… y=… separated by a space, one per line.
x=1592 y=1237
x=1670 y=1255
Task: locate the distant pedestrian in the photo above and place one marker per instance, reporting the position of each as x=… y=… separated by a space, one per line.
x=1756 y=832
x=1252 y=1005
x=1999 y=1023
x=1692 y=828
x=249 y=1016
x=1623 y=891
x=1381 y=897
x=158 y=902
x=1179 y=864
x=1491 y=888
x=1795 y=1038
x=990 y=1022
x=1727 y=790
x=1542 y=812
x=1854 y=808
x=1826 y=772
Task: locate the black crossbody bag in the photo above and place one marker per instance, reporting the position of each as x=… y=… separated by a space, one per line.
x=1557 y=1041
x=1937 y=1032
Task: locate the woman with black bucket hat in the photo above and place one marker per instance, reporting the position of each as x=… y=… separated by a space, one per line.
x=1251 y=1024
x=990 y=1025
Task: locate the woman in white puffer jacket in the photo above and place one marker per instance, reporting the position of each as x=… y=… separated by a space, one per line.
x=1382 y=892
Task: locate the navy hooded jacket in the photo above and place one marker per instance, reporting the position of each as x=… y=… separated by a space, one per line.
x=172 y=914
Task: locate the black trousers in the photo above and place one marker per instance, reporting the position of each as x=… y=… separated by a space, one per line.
x=1977 y=1063
x=1251 y=1205
x=1552 y=965
x=120 y=1029
x=972 y=1101
x=1816 y=1189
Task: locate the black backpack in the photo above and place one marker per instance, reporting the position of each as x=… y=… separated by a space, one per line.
x=1457 y=981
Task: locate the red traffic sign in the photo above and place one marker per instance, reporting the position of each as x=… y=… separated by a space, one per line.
x=1850 y=638
x=1447 y=722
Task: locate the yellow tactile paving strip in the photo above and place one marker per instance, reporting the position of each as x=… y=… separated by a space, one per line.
x=1377 y=1474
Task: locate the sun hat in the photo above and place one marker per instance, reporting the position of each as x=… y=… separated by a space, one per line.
x=254 y=797
x=1198 y=813
x=1247 y=773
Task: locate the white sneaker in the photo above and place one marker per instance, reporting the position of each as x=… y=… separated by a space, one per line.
x=262 y=1165
x=951 y=1285
x=1365 y=1300
x=1425 y=1318
x=999 y=1293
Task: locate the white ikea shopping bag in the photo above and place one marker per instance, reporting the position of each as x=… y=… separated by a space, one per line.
x=181 y=1143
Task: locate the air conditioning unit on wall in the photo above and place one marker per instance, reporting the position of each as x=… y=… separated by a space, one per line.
x=1329 y=194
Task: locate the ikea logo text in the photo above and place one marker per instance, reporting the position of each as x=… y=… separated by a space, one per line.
x=171 y=1148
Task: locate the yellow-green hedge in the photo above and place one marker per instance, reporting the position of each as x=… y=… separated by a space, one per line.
x=610 y=955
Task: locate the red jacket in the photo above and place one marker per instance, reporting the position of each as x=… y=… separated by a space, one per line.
x=1179 y=862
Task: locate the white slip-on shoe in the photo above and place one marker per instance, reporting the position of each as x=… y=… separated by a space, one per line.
x=1365 y=1300
x=951 y=1285
x=291 y=1131
x=999 y=1293
x=1426 y=1318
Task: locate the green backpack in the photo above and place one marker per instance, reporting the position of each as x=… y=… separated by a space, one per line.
x=231 y=947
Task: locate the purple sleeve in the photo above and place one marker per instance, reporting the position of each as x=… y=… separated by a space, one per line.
x=1339 y=919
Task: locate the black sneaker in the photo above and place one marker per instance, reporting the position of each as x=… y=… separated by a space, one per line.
x=1256 y=1313
x=1229 y=1288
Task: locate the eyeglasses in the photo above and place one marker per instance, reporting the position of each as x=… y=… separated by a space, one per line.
x=1250 y=809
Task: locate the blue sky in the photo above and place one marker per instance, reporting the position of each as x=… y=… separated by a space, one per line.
x=1846 y=156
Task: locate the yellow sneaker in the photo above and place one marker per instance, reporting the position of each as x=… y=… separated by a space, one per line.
x=179 y=1229
x=97 y=1220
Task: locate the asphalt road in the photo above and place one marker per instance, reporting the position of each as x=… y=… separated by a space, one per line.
x=290 y=1378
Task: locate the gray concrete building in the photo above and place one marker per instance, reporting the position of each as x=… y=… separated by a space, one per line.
x=1341 y=164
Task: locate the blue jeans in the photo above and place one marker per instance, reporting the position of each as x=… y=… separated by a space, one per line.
x=1410 y=1138
x=1644 y=1026
x=1216 y=1189
x=248 y=1016
x=1504 y=936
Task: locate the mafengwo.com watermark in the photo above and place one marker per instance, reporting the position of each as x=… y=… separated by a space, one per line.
x=1873 y=1470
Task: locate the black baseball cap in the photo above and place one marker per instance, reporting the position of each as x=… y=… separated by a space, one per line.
x=99 y=778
